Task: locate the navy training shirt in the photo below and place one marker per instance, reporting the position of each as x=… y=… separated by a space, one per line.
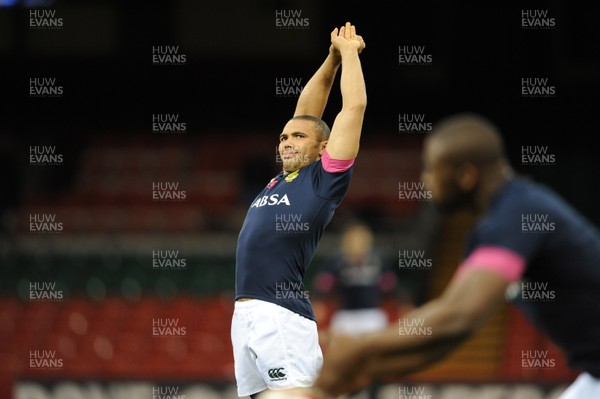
x=281 y=233
x=559 y=290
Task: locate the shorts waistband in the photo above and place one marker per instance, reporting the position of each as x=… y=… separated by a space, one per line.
x=251 y=303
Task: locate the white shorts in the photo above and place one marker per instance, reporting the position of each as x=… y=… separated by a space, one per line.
x=358 y=321
x=273 y=348
x=584 y=387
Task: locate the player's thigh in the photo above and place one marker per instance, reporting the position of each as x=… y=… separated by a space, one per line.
x=288 y=344
x=248 y=377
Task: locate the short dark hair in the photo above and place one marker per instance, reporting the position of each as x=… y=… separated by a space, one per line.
x=321 y=125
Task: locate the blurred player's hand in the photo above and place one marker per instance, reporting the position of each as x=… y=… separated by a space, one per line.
x=345 y=366
x=296 y=393
x=346 y=38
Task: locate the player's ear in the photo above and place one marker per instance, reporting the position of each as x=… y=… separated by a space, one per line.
x=468 y=176
x=322 y=146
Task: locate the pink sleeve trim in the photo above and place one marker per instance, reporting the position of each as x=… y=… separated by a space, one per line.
x=335 y=165
x=499 y=260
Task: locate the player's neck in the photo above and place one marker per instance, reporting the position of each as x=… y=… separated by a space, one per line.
x=493 y=183
x=285 y=172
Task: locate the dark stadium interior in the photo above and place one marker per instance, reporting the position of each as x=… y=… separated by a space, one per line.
x=226 y=94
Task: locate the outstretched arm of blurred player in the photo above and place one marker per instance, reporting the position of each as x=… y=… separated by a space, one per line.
x=352 y=363
x=314 y=96
x=345 y=133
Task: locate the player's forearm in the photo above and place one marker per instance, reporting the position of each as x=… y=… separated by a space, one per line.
x=397 y=364
x=421 y=337
x=314 y=96
x=431 y=331
x=352 y=82
x=344 y=140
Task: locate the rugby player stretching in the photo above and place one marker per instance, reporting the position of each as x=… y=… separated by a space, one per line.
x=274 y=331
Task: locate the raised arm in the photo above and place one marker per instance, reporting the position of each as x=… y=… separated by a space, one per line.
x=345 y=133
x=314 y=96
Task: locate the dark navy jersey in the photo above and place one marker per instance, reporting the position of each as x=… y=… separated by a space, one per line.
x=281 y=233
x=558 y=288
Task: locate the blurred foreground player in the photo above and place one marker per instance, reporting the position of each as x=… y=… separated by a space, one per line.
x=528 y=243
x=274 y=332
x=295 y=393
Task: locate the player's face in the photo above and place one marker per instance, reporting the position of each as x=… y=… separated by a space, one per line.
x=357 y=241
x=440 y=178
x=300 y=144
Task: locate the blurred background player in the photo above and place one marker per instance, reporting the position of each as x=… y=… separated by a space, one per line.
x=528 y=246
x=274 y=332
x=359 y=281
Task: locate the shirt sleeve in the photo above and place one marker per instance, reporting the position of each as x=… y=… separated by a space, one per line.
x=331 y=177
x=335 y=165
x=498 y=260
